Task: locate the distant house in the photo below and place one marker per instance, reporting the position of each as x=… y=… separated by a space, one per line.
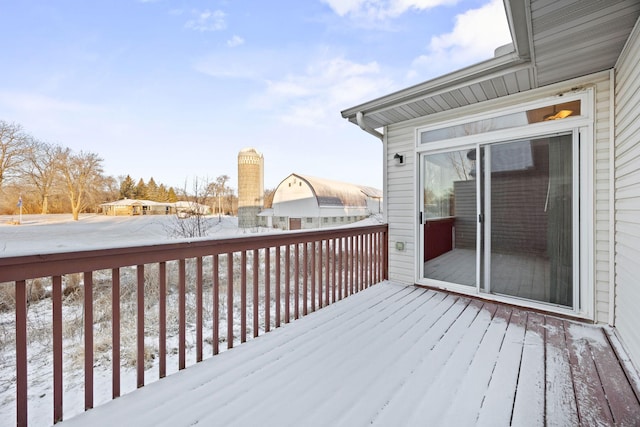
x=149 y=207
x=304 y=202
x=136 y=207
x=189 y=208
x=516 y=179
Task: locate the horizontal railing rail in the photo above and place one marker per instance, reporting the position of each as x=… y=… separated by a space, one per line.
x=256 y=282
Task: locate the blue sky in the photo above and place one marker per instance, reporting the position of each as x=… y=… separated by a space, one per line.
x=175 y=89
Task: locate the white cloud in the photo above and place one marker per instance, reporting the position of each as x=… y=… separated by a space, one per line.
x=239 y=64
x=475 y=36
x=235 y=41
x=316 y=96
x=207 y=20
x=36 y=103
x=381 y=9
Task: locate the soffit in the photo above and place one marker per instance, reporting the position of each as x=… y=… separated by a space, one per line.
x=565 y=39
x=575 y=38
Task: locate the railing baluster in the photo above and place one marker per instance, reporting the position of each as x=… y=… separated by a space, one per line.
x=199 y=309
x=216 y=304
x=369 y=263
x=320 y=275
x=350 y=262
x=140 y=328
x=21 y=353
x=256 y=298
x=348 y=255
x=365 y=268
x=229 y=300
x=88 y=340
x=326 y=272
x=305 y=278
x=287 y=284
x=376 y=258
x=358 y=259
x=296 y=290
x=56 y=300
x=267 y=289
x=333 y=270
x=372 y=258
x=313 y=276
x=162 y=319
x=243 y=296
x=115 y=332
x=340 y=266
x=278 y=283
x=182 y=320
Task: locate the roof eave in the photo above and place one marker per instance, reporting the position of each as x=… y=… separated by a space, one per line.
x=444 y=82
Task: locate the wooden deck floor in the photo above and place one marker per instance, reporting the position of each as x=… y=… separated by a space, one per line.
x=394 y=355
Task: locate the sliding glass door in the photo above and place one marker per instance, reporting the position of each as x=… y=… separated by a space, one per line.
x=529 y=219
x=502 y=217
x=449 y=215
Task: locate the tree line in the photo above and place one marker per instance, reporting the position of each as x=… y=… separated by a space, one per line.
x=48 y=178
x=45 y=178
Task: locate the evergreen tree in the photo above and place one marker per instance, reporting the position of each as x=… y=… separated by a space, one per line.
x=152 y=190
x=163 y=195
x=127 y=188
x=171 y=196
x=141 y=190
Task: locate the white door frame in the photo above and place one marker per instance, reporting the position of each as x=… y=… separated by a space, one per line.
x=583 y=140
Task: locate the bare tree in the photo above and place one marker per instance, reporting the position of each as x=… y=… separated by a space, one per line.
x=13 y=146
x=218 y=190
x=191 y=220
x=40 y=168
x=461 y=164
x=82 y=174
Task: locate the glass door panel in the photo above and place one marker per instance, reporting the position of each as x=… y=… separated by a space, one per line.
x=528 y=219
x=449 y=216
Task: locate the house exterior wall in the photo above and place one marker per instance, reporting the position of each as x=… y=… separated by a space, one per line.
x=627 y=195
x=401 y=183
x=400 y=200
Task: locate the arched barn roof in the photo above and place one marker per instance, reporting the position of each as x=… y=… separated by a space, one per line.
x=336 y=193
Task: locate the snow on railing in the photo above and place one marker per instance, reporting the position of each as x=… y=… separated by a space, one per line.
x=223 y=287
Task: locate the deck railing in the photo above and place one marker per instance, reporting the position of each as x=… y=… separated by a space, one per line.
x=276 y=277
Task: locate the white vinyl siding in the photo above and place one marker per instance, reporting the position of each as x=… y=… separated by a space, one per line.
x=401 y=208
x=601 y=199
x=627 y=195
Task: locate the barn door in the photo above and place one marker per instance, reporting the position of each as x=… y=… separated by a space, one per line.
x=295 y=223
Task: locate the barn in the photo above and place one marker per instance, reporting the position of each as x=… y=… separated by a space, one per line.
x=305 y=202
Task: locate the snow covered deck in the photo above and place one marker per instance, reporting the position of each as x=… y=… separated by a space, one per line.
x=394 y=355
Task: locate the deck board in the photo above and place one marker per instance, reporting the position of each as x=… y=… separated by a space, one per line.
x=529 y=405
x=497 y=407
x=560 y=396
x=395 y=355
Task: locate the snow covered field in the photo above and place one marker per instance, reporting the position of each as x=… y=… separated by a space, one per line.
x=59 y=233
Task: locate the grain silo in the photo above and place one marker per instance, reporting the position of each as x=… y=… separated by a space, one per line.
x=250 y=187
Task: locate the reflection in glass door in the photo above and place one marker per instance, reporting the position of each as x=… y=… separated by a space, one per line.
x=449 y=216
x=528 y=216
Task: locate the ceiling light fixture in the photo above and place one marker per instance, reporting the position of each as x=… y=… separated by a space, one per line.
x=557 y=115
